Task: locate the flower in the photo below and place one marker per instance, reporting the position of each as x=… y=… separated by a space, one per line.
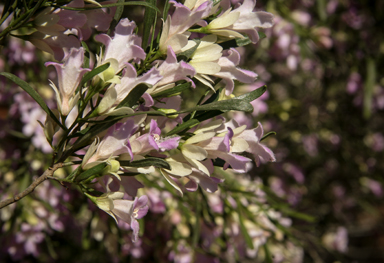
x=127 y=210
x=130 y=212
x=114 y=143
x=241 y=20
x=246 y=140
x=124 y=46
x=174 y=29
x=172 y=71
x=69 y=75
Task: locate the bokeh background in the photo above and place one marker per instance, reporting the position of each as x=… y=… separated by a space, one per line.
x=322 y=63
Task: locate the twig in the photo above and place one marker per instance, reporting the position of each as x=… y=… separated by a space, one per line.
x=48 y=173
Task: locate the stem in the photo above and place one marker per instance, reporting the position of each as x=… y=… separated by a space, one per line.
x=48 y=173
x=21 y=20
x=8 y=13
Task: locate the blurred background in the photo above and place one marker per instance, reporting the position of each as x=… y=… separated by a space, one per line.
x=322 y=64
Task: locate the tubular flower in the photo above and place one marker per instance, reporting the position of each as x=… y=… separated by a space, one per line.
x=174 y=29
x=241 y=19
x=69 y=75
x=114 y=143
x=241 y=137
x=205 y=60
x=124 y=46
x=127 y=210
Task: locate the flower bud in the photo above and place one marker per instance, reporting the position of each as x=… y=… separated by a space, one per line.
x=112 y=167
x=169 y=111
x=51 y=127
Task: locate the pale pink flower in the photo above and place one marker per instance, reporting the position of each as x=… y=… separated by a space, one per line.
x=172 y=71
x=124 y=46
x=114 y=143
x=57 y=46
x=127 y=210
x=241 y=20
x=130 y=212
x=229 y=71
x=130 y=80
x=174 y=29
x=69 y=76
x=242 y=139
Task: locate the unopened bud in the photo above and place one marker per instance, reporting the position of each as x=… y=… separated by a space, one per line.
x=112 y=167
x=169 y=112
x=51 y=127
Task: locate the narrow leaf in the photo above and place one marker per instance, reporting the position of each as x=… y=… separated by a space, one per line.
x=86 y=57
x=188 y=53
x=89 y=75
x=251 y=96
x=149 y=19
x=116 y=18
x=237 y=42
x=25 y=86
x=165 y=11
x=267 y=135
x=90 y=172
x=369 y=87
x=133 y=96
x=268 y=255
x=172 y=182
x=74 y=172
x=244 y=231
x=261 y=35
x=243 y=41
x=223 y=105
x=93 y=131
x=172 y=91
x=149 y=161
x=184 y=126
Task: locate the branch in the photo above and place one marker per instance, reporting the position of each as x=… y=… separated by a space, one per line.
x=48 y=173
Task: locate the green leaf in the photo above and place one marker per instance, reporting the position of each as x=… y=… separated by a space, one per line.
x=215 y=97
x=90 y=172
x=80 y=133
x=188 y=53
x=295 y=214
x=134 y=95
x=93 y=131
x=165 y=11
x=89 y=75
x=268 y=255
x=74 y=172
x=213 y=109
x=321 y=9
x=196 y=229
x=172 y=91
x=244 y=231
x=237 y=42
x=116 y=18
x=149 y=161
x=135 y=3
x=251 y=96
x=149 y=22
x=369 y=87
x=223 y=105
x=86 y=57
x=261 y=35
x=267 y=135
x=183 y=127
x=208 y=115
x=240 y=42
x=25 y=86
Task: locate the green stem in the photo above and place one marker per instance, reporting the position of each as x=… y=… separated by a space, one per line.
x=8 y=13
x=21 y=20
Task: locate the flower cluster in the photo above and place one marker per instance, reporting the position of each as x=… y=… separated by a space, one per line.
x=124 y=113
